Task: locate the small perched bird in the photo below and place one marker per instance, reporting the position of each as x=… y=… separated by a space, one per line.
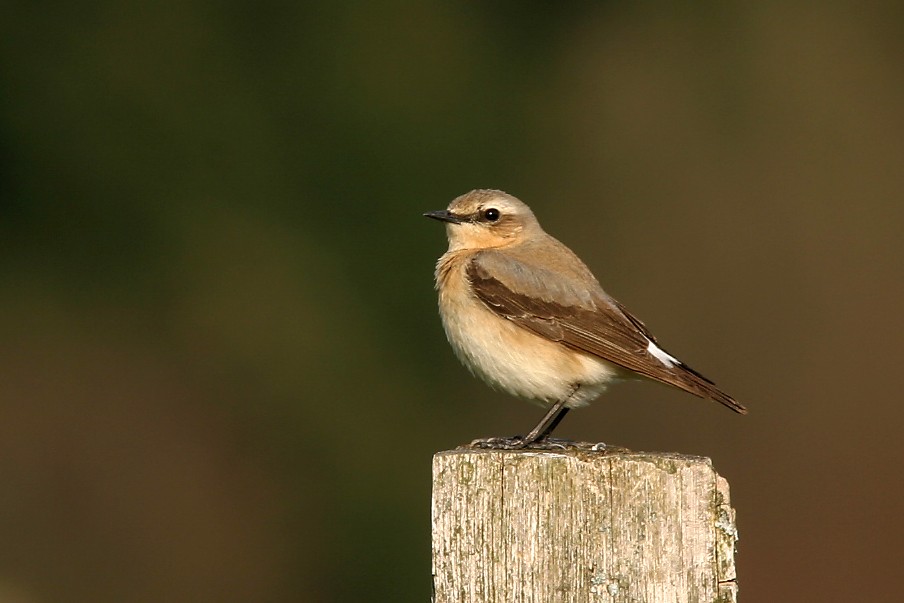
x=525 y=314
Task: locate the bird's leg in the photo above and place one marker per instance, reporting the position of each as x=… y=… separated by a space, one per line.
x=538 y=435
x=549 y=421
x=553 y=417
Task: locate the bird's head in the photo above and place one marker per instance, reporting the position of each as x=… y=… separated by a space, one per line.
x=484 y=219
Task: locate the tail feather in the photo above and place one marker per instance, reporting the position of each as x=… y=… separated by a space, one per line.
x=693 y=382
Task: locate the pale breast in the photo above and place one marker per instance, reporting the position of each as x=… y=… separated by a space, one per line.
x=507 y=356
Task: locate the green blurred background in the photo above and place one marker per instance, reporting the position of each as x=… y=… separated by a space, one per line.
x=222 y=375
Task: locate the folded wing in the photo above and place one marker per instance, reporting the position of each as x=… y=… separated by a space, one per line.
x=558 y=309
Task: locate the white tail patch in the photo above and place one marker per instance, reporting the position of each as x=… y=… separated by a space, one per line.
x=661 y=355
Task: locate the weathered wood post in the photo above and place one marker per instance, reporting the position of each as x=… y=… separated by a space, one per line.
x=576 y=525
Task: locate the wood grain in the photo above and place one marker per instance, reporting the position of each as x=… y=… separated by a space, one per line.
x=580 y=526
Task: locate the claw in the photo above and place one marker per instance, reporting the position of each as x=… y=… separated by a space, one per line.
x=519 y=443
x=510 y=443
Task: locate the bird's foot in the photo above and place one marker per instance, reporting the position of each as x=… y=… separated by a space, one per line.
x=509 y=443
x=521 y=443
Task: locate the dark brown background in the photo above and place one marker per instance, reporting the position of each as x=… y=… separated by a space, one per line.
x=222 y=376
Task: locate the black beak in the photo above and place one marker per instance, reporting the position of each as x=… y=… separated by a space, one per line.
x=444 y=215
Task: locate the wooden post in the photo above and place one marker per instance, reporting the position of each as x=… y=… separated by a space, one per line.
x=576 y=525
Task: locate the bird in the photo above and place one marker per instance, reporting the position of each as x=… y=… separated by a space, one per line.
x=525 y=314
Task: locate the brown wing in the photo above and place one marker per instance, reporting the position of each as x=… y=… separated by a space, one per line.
x=600 y=327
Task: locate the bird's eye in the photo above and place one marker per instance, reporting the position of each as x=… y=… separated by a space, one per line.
x=491 y=214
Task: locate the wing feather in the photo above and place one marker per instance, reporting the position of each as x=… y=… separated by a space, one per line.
x=593 y=323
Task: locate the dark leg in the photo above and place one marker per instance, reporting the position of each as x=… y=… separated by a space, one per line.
x=552 y=418
x=549 y=421
x=538 y=434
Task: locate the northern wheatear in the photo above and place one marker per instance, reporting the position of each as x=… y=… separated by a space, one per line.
x=525 y=314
